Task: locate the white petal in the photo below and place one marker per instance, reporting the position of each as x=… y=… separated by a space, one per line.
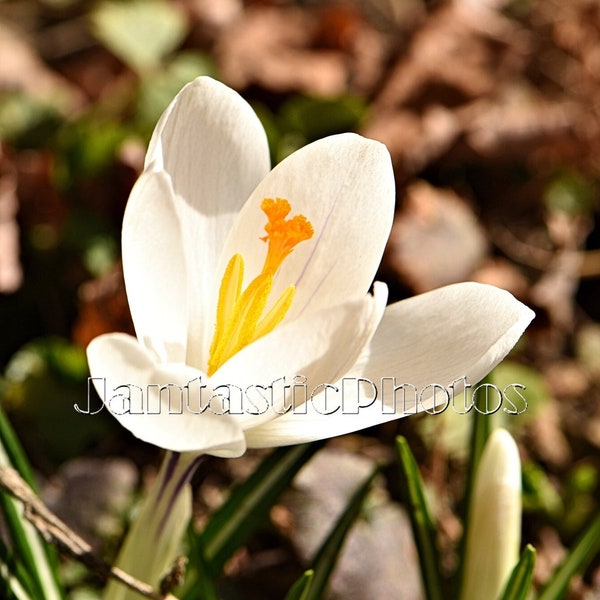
x=154 y=268
x=316 y=349
x=128 y=380
x=463 y=330
x=344 y=185
x=213 y=147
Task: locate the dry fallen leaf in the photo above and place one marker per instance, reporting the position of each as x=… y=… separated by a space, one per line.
x=11 y=274
x=21 y=68
x=435 y=239
x=271 y=47
x=326 y=51
x=503 y=274
x=414 y=141
x=454 y=56
x=103 y=308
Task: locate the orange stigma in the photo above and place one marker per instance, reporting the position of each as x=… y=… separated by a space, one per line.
x=282 y=234
x=241 y=316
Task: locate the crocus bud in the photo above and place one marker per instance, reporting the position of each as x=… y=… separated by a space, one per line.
x=494 y=528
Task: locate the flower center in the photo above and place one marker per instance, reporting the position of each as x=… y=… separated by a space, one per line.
x=240 y=318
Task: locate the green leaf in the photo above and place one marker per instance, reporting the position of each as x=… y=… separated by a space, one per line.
x=300 y=589
x=45 y=379
x=303 y=119
x=14 y=579
x=539 y=493
x=249 y=504
x=198 y=582
x=14 y=453
x=519 y=582
x=25 y=121
x=422 y=525
x=29 y=548
x=328 y=553
x=580 y=501
x=480 y=432
x=584 y=550
x=16 y=526
x=525 y=394
x=140 y=32
x=570 y=192
x=86 y=148
x=158 y=89
x=317 y=117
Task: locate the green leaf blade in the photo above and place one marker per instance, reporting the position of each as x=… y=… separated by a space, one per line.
x=16 y=583
x=327 y=555
x=519 y=583
x=249 y=504
x=36 y=557
x=140 y=32
x=421 y=522
x=584 y=550
x=301 y=588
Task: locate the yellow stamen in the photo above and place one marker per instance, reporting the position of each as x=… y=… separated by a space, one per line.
x=229 y=294
x=239 y=321
x=276 y=314
x=242 y=324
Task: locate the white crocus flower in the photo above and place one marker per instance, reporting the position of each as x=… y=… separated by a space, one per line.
x=494 y=531
x=192 y=249
x=239 y=276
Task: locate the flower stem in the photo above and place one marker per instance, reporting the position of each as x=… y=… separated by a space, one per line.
x=151 y=545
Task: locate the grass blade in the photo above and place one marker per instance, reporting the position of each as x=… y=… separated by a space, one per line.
x=420 y=519
x=14 y=579
x=14 y=452
x=11 y=587
x=584 y=550
x=480 y=432
x=300 y=589
x=198 y=582
x=328 y=553
x=30 y=550
x=482 y=427
x=517 y=587
x=19 y=540
x=249 y=504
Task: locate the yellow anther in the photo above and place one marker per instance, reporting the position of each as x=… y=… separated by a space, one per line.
x=229 y=294
x=240 y=319
x=276 y=314
x=240 y=329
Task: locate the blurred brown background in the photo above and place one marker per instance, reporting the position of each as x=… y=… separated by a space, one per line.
x=491 y=111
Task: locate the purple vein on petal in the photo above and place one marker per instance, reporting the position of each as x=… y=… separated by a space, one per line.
x=317 y=288
x=183 y=479
x=317 y=242
x=187 y=474
x=169 y=470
